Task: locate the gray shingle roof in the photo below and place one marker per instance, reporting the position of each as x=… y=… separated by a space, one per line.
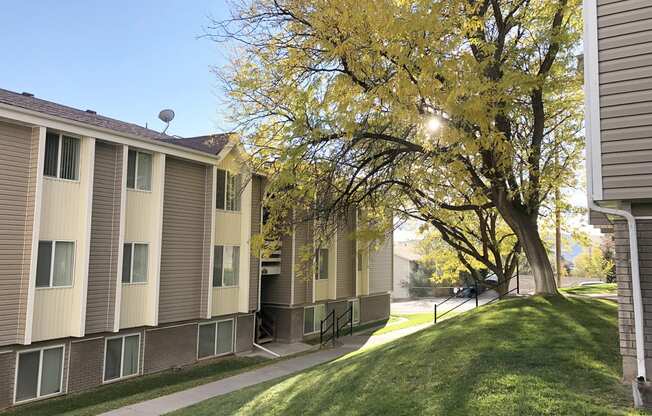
x=209 y=144
x=213 y=143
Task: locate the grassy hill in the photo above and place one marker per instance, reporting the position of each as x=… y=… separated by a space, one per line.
x=531 y=356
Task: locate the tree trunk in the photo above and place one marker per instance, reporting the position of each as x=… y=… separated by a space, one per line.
x=526 y=230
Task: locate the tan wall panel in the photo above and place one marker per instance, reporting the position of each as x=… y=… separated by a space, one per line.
x=225 y=300
x=184 y=250
x=18 y=155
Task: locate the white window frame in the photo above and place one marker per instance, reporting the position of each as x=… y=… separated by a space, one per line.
x=52 y=254
x=59 y=144
x=122 y=358
x=223 y=260
x=228 y=175
x=40 y=371
x=314 y=318
x=136 y=188
x=351 y=302
x=131 y=266
x=215 y=354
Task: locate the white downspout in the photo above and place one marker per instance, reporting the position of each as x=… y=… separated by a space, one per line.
x=637 y=299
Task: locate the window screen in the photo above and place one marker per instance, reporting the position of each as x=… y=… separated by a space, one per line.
x=217 y=265
x=139 y=274
x=221 y=189
x=206 y=340
x=126 y=263
x=224 y=337
x=112 y=359
x=231 y=265
x=144 y=173
x=64 y=260
x=131 y=169
x=130 y=363
x=27 y=380
x=51 y=371
x=43 y=263
x=323 y=264
x=51 y=161
x=69 y=158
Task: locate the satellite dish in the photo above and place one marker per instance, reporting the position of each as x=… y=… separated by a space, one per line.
x=166 y=116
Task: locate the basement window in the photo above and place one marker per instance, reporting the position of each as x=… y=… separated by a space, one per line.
x=312 y=317
x=39 y=373
x=215 y=338
x=121 y=357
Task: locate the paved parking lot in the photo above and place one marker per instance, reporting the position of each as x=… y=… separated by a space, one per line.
x=427 y=304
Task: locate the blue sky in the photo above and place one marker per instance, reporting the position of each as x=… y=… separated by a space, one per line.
x=123 y=59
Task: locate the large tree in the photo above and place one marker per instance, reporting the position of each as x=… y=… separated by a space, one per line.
x=427 y=106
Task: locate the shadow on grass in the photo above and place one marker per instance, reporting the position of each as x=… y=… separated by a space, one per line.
x=534 y=356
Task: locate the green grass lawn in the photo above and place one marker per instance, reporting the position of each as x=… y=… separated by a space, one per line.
x=121 y=394
x=603 y=288
x=525 y=356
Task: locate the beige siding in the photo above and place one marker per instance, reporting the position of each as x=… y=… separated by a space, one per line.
x=254 y=260
x=625 y=67
x=105 y=234
x=185 y=248
x=346 y=258
x=381 y=267
x=18 y=156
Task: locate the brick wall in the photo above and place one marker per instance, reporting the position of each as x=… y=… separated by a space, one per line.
x=7 y=362
x=170 y=347
x=625 y=305
x=374 y=308
x=88 y=359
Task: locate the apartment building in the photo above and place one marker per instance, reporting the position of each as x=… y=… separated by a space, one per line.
x=618 y=84
x=124 y=252
x=350 y=278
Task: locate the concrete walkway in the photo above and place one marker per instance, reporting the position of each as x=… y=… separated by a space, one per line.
x=283 y=368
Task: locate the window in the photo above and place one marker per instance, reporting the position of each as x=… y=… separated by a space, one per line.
x=139 y=170
x=215 y=338
x=61 y=156
x=134 y=262
x=228 y=191
x=355 y=304
x=322 y=264
x=360 y=259
x=39 y=373
x=226 y=266
x=55 y=263
x=312 y=317
x=121 y=357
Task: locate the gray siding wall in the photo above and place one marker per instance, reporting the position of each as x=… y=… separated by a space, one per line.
x=184 y=252
x=18 y=174
x=277 y=289
x=381 y=267
x=625 y=305
x=254 y=263
x=346 y=255
x=105 y=234
x=625 y=67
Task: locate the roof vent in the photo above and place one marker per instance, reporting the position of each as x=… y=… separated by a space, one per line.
x=91 y=111
x=27 y=94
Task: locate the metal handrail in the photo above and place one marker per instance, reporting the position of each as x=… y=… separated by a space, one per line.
x=322 y=331
x=349 y=322
x=517 y=289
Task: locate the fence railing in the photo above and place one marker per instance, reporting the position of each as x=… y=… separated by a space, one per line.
x=328 y=333
x=476 y=297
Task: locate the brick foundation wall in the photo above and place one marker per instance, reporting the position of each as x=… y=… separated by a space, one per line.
x=7 y=375
x=165 y=348
x=625 y=305
x=374 y=308
x=88 y=359
x=244 y=333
